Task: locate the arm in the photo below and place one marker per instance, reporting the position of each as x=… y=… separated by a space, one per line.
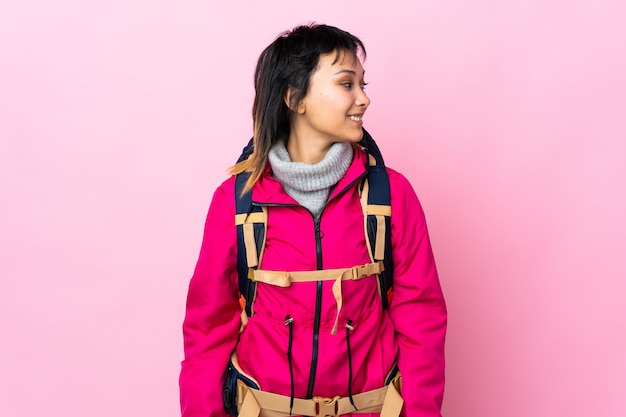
x=212 y=319
x=418 y=308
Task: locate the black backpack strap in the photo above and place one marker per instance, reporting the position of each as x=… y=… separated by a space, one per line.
x=376 y=201
x=247 y=151
x=251 y=221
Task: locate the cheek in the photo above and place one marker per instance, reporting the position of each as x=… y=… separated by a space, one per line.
x=325 y=108
x=336 y=105
x=328 y=107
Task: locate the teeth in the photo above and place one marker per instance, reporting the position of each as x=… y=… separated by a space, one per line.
x=355 y=118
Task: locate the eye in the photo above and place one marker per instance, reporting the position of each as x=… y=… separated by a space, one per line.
x=350 y=84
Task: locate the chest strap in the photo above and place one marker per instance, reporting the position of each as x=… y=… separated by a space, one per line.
x=284 y=279
x=386 y=400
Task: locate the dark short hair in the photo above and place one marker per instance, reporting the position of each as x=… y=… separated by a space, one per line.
x=287 y=62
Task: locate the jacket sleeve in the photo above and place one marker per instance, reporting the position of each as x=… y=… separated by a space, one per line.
x=417 y=308
x=212 y=318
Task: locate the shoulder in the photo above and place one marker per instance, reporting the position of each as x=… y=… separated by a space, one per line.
x=398 y=180
x=224 y=196
x=404 y=200
x=227 y=186
x=399 y=184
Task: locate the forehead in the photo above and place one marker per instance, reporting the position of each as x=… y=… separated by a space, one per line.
x=335 y=61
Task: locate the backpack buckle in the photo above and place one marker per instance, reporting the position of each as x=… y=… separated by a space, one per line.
x=325 y=407
x=360 y=271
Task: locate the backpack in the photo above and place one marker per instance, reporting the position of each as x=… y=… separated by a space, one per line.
x=251 y=221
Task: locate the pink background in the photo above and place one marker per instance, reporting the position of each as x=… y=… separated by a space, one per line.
x=119 y=118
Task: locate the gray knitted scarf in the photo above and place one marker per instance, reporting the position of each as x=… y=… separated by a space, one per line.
x=309 y=184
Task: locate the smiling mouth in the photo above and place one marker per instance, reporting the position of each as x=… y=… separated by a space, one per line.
x=356 y=118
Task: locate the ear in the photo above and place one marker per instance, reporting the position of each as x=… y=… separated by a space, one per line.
x=300 y=108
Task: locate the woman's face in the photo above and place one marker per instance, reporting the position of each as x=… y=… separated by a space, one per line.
x=332 y=110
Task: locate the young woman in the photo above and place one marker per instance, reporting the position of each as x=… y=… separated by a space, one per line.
x=316 y=344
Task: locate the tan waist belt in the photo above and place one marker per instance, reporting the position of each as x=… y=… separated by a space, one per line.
x=284 y=279
x=255 y=403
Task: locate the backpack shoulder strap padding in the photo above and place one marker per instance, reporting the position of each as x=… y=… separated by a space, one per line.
x=248 y=223
x=251 y=222
x=376 y=205
x=376 y=202
x=379 y=213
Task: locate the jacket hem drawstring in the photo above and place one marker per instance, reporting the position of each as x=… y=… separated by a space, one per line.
x=349 y=328
x=289 y=322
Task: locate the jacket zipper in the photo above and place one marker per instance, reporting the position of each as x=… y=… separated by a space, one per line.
x=319 y=286
x=318 y=297
x=318 y=309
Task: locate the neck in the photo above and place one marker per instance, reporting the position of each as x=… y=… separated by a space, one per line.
x=307 y=150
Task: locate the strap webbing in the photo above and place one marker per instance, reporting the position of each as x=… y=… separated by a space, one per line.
x=251 y=218
x=386 y=400
x=284 y=279
x=249 y=236
x=378 y=210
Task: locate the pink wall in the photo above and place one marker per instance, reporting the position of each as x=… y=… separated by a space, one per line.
x=118 y=119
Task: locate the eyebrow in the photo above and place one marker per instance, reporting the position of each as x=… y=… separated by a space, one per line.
x=347 y=71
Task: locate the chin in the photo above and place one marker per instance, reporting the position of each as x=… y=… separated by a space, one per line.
x=351 y=137
x=358 y=136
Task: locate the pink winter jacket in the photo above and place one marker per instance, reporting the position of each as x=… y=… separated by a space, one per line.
x=411 y=331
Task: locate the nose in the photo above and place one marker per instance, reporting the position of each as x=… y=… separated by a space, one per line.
x=362 y=100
